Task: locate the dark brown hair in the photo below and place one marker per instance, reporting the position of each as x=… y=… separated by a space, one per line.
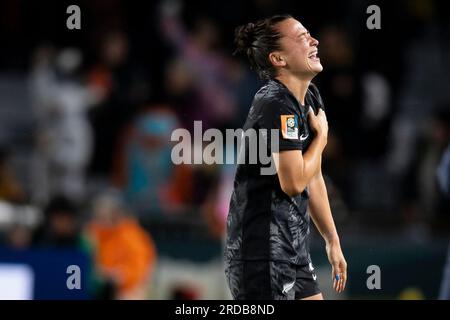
x=257 y=40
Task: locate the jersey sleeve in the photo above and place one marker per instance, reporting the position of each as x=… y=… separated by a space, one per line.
x=281 y=115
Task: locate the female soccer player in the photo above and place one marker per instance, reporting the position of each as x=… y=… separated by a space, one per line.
x=267 y=251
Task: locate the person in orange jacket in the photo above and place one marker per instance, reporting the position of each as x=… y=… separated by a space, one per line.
x=125 y=252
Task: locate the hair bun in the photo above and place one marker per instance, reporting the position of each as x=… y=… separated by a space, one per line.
x=257 y=40
x=244 y=37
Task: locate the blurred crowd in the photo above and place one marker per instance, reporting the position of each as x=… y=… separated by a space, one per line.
x=86 y=118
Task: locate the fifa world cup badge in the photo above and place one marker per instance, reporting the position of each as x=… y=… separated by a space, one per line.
x=289 y=126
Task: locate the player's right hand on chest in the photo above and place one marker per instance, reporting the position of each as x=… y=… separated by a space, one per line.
x=319 y=124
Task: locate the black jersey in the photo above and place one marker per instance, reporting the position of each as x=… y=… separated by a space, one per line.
x=263 y=222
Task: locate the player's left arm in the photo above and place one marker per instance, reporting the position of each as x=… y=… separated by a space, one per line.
x=323 y=219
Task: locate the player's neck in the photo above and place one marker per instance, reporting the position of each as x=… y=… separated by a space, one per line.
x=297 y=86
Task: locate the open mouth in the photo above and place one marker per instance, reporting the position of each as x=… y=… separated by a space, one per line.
x=313 y=56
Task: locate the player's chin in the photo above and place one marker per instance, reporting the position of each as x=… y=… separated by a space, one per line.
x=315 y=66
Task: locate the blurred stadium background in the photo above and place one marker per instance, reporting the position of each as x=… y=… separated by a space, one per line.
x=85 y=123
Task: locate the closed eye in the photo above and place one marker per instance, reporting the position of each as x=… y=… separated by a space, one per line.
x=306 y=33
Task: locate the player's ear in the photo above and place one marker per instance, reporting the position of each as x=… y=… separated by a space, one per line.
x=277 y=59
